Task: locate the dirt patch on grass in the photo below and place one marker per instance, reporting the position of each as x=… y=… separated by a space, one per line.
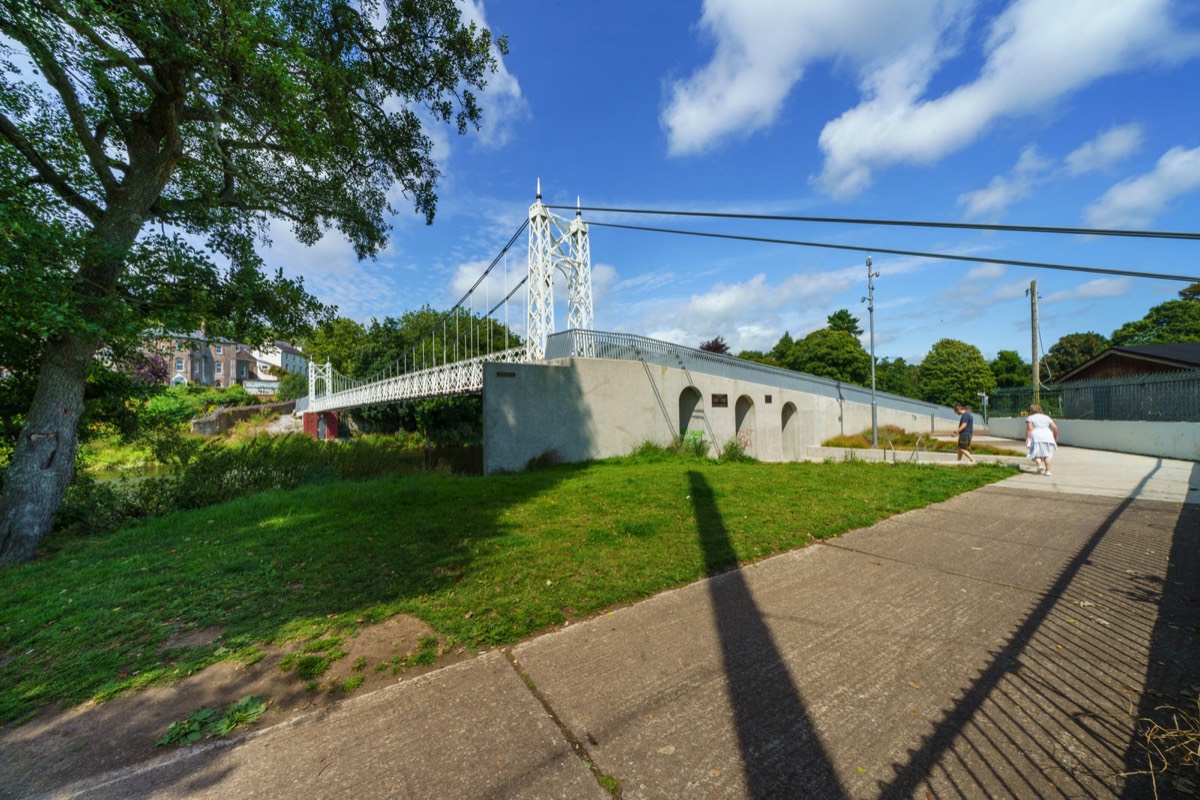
x=63 y=745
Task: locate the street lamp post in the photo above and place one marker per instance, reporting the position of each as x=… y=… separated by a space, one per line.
x=870 y=301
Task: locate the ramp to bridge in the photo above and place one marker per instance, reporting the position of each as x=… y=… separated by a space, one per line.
x=599 y=395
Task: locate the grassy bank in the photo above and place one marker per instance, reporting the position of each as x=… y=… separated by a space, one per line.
x=484 y=561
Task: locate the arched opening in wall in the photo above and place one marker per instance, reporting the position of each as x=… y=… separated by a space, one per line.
x=743 y=415
x=179 y=380
x=691 y=414
x=790 y=445
x=322 y=429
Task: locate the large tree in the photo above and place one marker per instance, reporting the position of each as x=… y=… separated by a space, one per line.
x=832 y=354
x=843 y=320
x=955 y=372
x=715 y=345
x=896 y=376
x=1167 y=323
x=1011 y=370
x=779 y=353
x=1071 y=351
x=119 y=118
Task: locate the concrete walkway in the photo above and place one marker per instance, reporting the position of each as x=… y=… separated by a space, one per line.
x=1000 y=644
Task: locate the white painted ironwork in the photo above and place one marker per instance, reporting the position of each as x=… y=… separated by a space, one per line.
x=458 y=377
x=318 y=378
x=556 y=244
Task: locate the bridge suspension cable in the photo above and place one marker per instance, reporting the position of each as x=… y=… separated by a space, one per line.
x=469 y=340
x=916 y=253
x=982 y=226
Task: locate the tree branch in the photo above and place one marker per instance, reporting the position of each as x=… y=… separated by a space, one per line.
x=167 y=208
x=61 y=83
x=89 y=33
x=46 y=172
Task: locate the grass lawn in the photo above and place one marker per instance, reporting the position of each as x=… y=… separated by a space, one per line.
x=484 y=561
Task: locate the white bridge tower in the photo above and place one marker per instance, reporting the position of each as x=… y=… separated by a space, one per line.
x=555 y=243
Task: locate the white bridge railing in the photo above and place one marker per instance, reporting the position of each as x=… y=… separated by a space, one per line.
x=457 y=377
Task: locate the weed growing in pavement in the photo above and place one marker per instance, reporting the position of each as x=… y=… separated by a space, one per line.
x=212 y=722
x=313 y=660
x=428 y=649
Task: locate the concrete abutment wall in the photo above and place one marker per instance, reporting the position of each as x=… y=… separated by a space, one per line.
x=579 y=409
x=1141 y=437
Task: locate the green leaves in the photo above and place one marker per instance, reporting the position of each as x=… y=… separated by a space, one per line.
x=834 y=354
x=212 y=722
x=1167 y=323
x=955 y=372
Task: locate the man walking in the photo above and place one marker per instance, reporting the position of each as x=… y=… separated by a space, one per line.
x=966 y=429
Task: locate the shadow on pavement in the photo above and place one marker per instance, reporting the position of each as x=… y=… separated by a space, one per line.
x=782 y=754
x=1061 y=694
x=1174 y=676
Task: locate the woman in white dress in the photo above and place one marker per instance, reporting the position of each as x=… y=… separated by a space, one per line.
x=1041 y=438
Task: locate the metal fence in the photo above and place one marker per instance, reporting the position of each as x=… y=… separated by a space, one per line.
x=1166 y=396
x=1012 y=402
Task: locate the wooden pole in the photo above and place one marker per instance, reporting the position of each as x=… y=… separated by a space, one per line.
x=1037 y=371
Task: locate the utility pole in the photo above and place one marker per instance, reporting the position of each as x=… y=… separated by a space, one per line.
x=870 y=301
x=1033 y=324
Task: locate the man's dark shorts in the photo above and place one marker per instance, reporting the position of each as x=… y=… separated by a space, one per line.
x=964 y=441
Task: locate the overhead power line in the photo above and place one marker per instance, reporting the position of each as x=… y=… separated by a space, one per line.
x=916 y=253
x=980 y=226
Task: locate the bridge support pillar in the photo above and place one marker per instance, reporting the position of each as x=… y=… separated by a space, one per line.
x=321 y=424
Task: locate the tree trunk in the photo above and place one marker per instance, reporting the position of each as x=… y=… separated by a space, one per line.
x=44 y=460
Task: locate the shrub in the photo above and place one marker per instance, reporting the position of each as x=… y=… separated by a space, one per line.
x=209 y=472
x=734 y=450
x=91 y=506
x=693 y=444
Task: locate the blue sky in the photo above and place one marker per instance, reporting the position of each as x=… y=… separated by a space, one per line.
x=1073 y=113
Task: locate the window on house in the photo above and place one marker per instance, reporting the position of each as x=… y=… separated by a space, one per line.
x=220 y=368
x=179 y=365
x=242 y=369
x=220 y=350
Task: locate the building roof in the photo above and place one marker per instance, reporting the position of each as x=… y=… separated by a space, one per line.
x=1182 y=355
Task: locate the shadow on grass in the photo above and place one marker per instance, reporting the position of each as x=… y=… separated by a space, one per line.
x=782 y=754
x=319 y=560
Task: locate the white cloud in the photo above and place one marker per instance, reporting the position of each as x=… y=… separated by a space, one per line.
x=1091 y=290
x=604 y=278
x=1105 y=150
x=984 y=272
x=1029 y=65
x=1134 y=203
x=1009 y=291
x=752 y=314
x=646 y=282
x=994 y=199
x=501 y=101
x=764 y=46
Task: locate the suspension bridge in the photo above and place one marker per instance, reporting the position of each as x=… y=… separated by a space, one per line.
x=579 y=393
